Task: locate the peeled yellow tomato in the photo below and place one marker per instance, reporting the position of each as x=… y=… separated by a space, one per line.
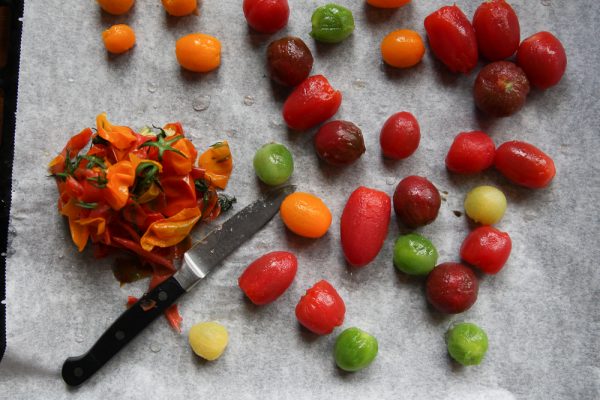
x=208 y=339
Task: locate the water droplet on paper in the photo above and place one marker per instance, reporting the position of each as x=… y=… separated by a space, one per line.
x=154 y=347
x=359 y=84
x=201 y=103
x=231 y=132
x=248 y=100
x=79 y=338
x=275 y=123
x=70 y=80
x=546 y=2
x=390 y=180
x=151 y=88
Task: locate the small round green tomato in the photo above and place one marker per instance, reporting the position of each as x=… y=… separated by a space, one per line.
x=273 y=164
x=485 y=205
x=355 y=349
x=332 y=23
x=414 y=254
x=467 y=343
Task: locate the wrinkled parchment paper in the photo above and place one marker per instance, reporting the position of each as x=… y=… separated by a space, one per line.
x=541 y=312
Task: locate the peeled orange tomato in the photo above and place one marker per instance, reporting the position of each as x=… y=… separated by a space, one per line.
x=179 y=8
x=118 y=38
x=305 y=215
x=387 y=3
x=402 y=49
x=198 y=52
x=116 y=7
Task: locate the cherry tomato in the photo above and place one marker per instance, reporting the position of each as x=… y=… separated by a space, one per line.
x=497 y=29
x=387 y=3
x=116 y=7
x=500 y=89
x=268 y=277
x=266 y=16
x=524 y=164
x=486 y=248
x=179 y=8
x=339 y=142
x=321 y=309
x=364 y=225
x=198 y=52
x=543 y=58
x=289 y=60
x=452 y=288
x=416 y=201
x=470 y=152
x=118 y=38
x=452 y=39
x=312 y=102
x=305 y=214
x=400 y=136
x=402 y=48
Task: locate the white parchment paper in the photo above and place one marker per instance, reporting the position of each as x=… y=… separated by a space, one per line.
x=541 y=312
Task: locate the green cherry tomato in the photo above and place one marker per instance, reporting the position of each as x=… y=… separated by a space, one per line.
x=414 y=254
x=273 y=164
x=467 y=343
x=332 y=23
x=355 y=349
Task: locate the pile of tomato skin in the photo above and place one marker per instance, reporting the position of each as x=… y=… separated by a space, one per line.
x=142 y=193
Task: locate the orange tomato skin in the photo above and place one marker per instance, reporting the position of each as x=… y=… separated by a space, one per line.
x=118 y=38
x=305 y=215
x=116 y=7
x=179 y=8
x=387 y=3
x=198 y=52
x=403 y=48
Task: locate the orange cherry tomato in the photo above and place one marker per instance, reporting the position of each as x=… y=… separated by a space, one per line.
x=179 y=8
x=305 y=215
x=198 y=52
x=402 y=49
x=118 y=38
x=387 y=3
x=116 y=7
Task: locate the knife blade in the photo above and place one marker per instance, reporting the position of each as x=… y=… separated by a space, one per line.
x=200 y=260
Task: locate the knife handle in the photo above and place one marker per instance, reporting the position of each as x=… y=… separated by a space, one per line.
x=76 y=370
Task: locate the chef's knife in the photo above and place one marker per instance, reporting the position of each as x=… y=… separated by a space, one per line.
x=198 y=262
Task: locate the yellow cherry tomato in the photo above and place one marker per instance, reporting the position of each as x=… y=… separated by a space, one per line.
x=118 y=38
x=485 y=205
x=198 y=52
x=387 y=3
x=305 y=215
x=116 y=7
x=208 y=340
x=402 y=49
x=179 y=8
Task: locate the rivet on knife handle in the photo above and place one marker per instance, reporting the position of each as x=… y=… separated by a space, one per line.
x=76 y=370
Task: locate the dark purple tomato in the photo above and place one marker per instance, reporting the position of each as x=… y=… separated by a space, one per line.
x=452 y=288
x=500 y=89
x=416 y=201
x=339 y=143
x=289 y=61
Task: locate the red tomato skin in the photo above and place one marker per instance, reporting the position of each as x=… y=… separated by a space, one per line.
x=543 y=58
x=524 y=164
x=312 y=102
x=497 y=30
x=452 y=288
x=321 y=309
x=364 y=225
x=266 y=16
x=452 y=39
x=268 y=277
x=486 y=248
x=470 y=153
x=400 y=136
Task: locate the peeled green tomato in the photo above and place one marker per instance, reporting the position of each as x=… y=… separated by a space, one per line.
x=273 y=164
x=467 y=343
x=355 y=349
x=332 y=23
x=414 y=254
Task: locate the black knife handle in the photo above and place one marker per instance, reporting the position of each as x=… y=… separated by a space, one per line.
x=76 y=370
